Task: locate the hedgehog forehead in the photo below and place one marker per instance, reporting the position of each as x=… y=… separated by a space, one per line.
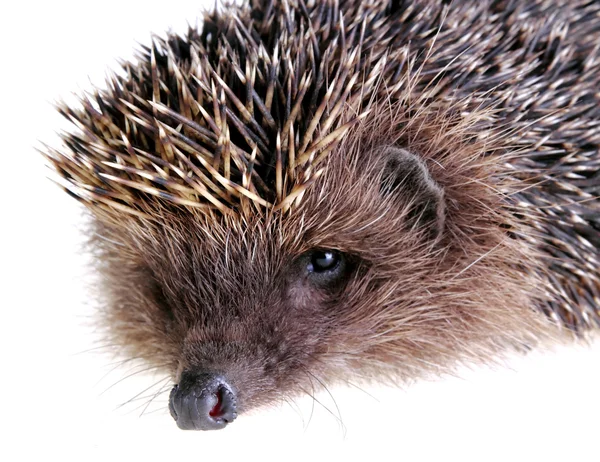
x=232 y=241
x=328 y=215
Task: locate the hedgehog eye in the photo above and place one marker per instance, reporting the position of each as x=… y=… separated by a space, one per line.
x=324 y=268
x=322 y=261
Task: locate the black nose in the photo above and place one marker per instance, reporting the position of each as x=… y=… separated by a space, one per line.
x=202 y=402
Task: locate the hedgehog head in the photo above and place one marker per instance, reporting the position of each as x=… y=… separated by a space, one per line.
x=274 y=210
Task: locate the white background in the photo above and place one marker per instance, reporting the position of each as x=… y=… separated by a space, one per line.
x=55 y=406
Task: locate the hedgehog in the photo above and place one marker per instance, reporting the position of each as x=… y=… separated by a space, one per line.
x=300 y=192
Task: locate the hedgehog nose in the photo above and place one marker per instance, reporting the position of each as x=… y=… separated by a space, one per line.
x=202 y=402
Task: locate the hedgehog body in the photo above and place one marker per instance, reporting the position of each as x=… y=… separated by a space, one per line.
x=300 y=192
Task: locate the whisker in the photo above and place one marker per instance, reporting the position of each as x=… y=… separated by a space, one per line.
x=312 y=409
x=115 y=365
x=296 y=409
x=362 y=389
x=143 y=391
x=89 y=350
x=160 y=409
x=327 y=409
x=161 y=391
x=149 y=368
x=339 y=417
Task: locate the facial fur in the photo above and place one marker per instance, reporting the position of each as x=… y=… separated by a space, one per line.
x=232 y=295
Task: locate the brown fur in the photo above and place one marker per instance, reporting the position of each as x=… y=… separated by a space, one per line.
x=201 y=226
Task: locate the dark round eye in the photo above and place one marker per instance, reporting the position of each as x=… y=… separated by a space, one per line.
x=324 y=260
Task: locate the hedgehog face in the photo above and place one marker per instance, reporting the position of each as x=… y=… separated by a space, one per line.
x=295 y=194
x=246 y=309
x=246 y=312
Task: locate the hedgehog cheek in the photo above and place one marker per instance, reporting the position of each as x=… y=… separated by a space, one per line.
x=406 y=175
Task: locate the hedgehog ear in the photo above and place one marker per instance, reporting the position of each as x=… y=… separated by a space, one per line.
x=407 y=175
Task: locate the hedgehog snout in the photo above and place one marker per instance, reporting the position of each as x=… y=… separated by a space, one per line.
x=202 y=401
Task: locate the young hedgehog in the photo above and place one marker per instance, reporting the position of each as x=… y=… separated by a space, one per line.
x=304 y=191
